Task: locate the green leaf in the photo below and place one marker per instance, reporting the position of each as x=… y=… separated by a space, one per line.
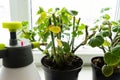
x=104 y=27
x=116 y=29
x=106 y=43
x=56 y=9
x=45 y=36
x=94 y=28
x=39 y=21
x=59 y=50
x=80 y=33
x=73 y=12
x=104 y=9
x=81 y=27
x=107 y=70
x=40 y=10
x=50 y=10
x=105 y=33
x=67 y=34
x=25 y=23
x=97 y=21
x=49 y=45
x=111 y=59
x=65 y=19
x=116 y=50
x=106 y=17
x=114 y=23
x=64 y=10
x=66 y=47
x=74 y=34
x=96 y=41
x=105 y=22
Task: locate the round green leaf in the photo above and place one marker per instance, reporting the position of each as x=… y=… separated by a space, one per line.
x=116 y=50
x=96 y=41
x=107 y=70
x=104 y=28
x=116 y=29
x=105 y=33
x=111 y=59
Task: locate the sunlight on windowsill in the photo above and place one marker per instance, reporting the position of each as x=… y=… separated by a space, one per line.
x=86 y=70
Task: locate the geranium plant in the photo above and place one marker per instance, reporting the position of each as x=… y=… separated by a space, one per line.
x=59 y=28
x=107 y=38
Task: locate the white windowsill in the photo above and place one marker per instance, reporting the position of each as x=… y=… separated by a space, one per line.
x=86 y=55
x=86 y=70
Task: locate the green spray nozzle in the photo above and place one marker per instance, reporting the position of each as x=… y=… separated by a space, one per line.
x=13 y=27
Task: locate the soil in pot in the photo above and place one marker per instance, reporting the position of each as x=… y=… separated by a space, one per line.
x=67 y=71
x=97 y=63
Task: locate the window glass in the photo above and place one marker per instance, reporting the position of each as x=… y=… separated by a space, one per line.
x=89 y=10
x=4 y=16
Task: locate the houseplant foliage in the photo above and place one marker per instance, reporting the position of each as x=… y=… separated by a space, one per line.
x=107 y=38
x=59 y=28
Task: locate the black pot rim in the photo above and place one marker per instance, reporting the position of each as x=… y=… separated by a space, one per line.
x=61 y=70
x=95 y=58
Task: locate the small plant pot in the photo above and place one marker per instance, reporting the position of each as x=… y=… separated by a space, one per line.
x=97 y=71
x=51 y=74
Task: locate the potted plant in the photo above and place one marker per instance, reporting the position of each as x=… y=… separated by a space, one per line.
x=107 y=38
x=59 y=28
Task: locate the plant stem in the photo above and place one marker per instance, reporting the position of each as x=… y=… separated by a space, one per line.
x=110 y=36
x=73 y=39
x=78 y=23
x=54 y=19
x=115 y=40
x=87 y=36
x=102 y=47
x=60 y=24
x=40 y=49
x=52 y=37
x=32 y=39
x=85 y=40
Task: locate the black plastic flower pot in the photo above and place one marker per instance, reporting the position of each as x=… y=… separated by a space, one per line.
x=97 y=71
x=51 y=74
